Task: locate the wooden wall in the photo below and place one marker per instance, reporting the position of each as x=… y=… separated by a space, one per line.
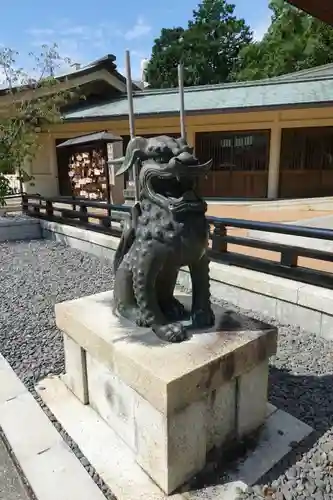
x=306 y=164
x=240 y=163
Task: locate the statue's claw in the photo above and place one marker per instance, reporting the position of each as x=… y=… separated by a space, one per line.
x=173 y=332
x=203 y=318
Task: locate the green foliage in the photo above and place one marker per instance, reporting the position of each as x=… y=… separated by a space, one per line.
x=28 y=106
x=167 y=52
x=217 y=47
x=208 y=47
x=294 y=41
x=4 y=189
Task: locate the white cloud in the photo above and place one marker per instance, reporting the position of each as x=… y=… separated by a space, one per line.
x=82 y=43
x=40 y=32
x=72 y=40
x=74 y=30
x=260 y=29
x=140 y=28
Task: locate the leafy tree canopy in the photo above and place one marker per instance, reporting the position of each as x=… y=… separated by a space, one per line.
x=294 y=41
x=217 y=47
x=26 y=106
x=208 y=47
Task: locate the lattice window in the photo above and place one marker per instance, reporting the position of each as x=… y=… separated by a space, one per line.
x=246 y=151
x=308 y=148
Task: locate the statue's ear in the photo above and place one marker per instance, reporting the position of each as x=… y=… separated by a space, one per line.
x=184 y=146
x=137 y=154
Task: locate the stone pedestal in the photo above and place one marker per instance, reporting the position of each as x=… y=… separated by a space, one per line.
x=170 y=403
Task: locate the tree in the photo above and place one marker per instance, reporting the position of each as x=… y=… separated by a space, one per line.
x=29 y=104
x=208 y=47
x=166 y=54
x=294 y=41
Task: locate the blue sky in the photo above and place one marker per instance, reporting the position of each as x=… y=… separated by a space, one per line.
x=85 y=30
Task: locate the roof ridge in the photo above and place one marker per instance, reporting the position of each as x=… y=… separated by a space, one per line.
x=226 y=85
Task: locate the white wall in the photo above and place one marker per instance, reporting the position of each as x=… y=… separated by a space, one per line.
x=44 y=169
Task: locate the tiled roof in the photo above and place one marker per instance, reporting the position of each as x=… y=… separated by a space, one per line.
x=90 y=138
x=107 y=62
x=317 y=72
x=275 y=92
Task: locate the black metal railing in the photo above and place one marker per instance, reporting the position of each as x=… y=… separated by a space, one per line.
x=108 y=219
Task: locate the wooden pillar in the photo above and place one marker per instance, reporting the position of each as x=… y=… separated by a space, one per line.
x=190 y=135
x=274 y=162
x=115 y=150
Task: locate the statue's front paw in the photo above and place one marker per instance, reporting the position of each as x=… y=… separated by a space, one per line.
x=203 y=318
x=173 y=332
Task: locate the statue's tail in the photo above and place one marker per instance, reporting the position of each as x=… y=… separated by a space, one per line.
x=127 y=238
x=126 y=241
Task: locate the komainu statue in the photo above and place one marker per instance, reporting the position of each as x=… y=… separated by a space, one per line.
x=168 y=230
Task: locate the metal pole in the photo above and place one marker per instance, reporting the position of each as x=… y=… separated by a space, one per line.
x=131 y=118
x=181 y=97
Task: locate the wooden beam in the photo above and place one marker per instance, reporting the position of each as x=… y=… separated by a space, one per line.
x=321 y=9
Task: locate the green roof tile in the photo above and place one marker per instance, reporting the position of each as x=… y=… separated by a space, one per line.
x=325 y=70
x=261 y=94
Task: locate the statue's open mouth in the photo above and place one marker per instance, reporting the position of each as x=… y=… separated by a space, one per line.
x=175 y=189
x=177 y=185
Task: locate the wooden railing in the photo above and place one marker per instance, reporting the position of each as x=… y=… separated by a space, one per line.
x=305 y=264
x=229 y=238
x=80 y=212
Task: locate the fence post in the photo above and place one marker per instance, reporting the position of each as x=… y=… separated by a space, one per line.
x=49 y=208
x=105 y=222
x=83 y=213
x=37 y=208
x=25 y=203
x=289 y=258
x=219 y=243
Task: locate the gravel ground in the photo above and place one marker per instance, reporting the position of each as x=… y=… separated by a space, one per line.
x=35 y=275
x=301 y=383
x=12 y=217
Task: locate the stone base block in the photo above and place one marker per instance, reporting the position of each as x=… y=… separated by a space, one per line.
x=16 y=228
x=170 y=403
x=115 y=462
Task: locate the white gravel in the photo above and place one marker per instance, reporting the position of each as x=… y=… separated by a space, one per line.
x=36 y=275
x=13 y=217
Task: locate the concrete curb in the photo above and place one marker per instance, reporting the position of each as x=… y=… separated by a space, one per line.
x=19 y=229
x=50 y=467
x=12 y=483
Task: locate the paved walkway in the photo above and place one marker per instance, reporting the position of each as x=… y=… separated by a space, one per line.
x=11 y=486
x=285 y=214
x=325 y=221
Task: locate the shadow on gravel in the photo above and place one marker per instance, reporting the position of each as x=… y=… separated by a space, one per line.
x=307 y=397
